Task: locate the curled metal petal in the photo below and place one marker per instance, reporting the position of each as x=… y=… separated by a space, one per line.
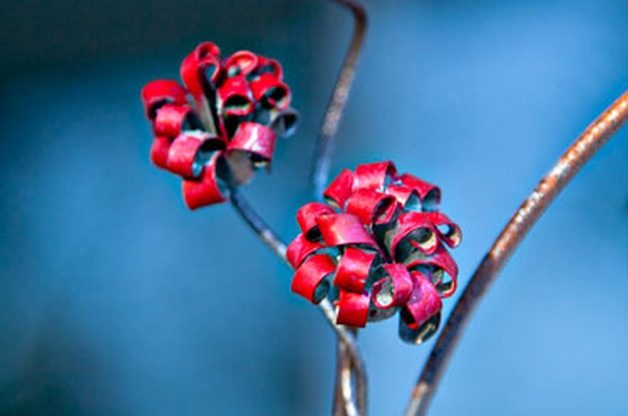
x=372 y=207
x=172 y=119
x=300 y=248
x=448 y=231
x=207 y=189
x=159 y=151
x=424 y=302
x=268 y=66
x=374 y=176
x=340 y=189
x=307 y=216
x=430 y=194
x=440 y=261
x=235 y=97
x=394 y=289
x=343 y=229
x=159 y=92
x=201 y=68
x=241 y=63
x=406 y=196
x=190 y=151
x=271 y=92
x=416 y=231
x=354 y=269
x=352 y=309
x=311 y=278
x=254 y=139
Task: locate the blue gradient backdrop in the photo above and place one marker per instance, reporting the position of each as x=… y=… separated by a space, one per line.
x=115 y=300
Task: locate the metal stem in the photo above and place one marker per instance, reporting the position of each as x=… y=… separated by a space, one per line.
x=256 y=223
x=587 y=144
x=338 y=99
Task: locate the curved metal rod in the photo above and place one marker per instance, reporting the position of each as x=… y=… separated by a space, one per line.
x=347 y=373
x=338 y=99
x=257 y=224
x=587 y=144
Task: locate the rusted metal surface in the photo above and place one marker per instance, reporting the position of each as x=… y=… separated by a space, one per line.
x=338 y=99
x=585 y=146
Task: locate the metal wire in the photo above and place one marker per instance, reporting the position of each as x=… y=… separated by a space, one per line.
x=338 y=99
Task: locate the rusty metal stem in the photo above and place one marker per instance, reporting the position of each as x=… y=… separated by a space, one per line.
x=338 y=99
x=259 y=226
x=587 y=144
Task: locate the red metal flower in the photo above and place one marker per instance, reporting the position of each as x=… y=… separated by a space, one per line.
x=378 y=246
x=222 y=125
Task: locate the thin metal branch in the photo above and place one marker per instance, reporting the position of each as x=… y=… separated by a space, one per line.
x=338 y=99
x=587 y=144
x=257 y=224
x=349 y=368
x=339 y=402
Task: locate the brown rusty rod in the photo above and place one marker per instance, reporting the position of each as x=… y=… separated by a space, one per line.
x=587 y=144
x=338 y=99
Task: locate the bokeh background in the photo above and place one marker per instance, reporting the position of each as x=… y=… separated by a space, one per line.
x=116 y=300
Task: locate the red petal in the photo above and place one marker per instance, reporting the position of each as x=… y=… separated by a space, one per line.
x=190 y=151
x=159 y=92
x=299 y=249
x=340 y=189
x=342 y=229
x=415 y=227
x=206 y=190
x=405 y=196
x=307 y=215
x=171 y=119
x=200 y=68
x=241 y=63
x=269 y=65
x=236 y=99
x=447 y=230
x=353 y=309
x=424 y=303
x=353 y=269
x=394 y=289
x=430 y=194
x=374 y=176
x=442 y=260
x=159 y=151
x=371 y=206
x=271 y=91
x=310 y=278
x=254 y=138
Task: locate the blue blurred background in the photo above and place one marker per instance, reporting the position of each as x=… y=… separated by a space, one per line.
x=116 y=300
